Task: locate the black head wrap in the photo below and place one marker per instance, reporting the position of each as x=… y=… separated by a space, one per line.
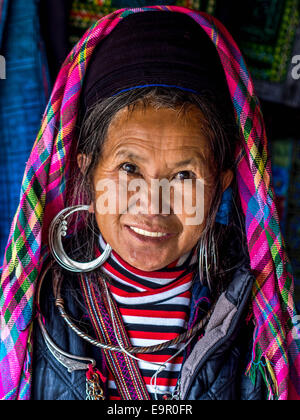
x=155 y=48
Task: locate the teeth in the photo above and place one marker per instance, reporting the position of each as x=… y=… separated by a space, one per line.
x=147 y=233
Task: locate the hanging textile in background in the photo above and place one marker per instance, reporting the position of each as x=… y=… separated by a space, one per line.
x=3 y=14
x=267 y=37
x=84 y=13
x=287 y=92
x=268 y=34
x=23 y=97
x=54 y=18
x=286 y=179
x=293 y=218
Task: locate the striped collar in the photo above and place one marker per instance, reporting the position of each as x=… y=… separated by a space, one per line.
x=130 y=285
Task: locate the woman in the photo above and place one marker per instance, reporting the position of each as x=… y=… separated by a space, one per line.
x=149 y=299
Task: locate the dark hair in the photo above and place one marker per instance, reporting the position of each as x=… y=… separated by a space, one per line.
x=220 y=128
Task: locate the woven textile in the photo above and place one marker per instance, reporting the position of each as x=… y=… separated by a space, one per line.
x=3 y=14
x=282 y=152
x=293 y=215
x=23 y=97
x=276 y=342
x=267 y=36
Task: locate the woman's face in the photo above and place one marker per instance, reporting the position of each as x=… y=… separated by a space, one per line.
x=143 y=148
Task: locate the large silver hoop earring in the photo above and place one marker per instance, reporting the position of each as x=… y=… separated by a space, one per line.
x=58 y=229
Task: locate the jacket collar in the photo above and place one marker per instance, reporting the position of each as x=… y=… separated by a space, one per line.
x=224 y=321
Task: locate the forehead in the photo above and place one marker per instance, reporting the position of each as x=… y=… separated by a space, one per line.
x=158 y=129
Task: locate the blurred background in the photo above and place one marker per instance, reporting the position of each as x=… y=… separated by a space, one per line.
x=37 y=35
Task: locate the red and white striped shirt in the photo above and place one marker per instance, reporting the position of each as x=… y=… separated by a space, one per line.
x=155 y=308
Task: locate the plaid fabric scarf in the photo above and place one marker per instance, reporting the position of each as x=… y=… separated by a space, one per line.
x=276 y=348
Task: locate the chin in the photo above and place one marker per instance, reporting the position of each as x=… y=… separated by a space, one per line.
x=146 y=264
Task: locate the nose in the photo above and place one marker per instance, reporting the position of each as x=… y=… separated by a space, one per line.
x=153 y=198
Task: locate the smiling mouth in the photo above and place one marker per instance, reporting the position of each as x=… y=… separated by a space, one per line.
x=148 y=233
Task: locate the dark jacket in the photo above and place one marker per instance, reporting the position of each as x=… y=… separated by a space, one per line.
x=214 y=369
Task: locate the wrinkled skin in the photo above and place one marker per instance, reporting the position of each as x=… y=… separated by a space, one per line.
x=156 y=144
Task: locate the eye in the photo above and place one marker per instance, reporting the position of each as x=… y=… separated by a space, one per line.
x=182 y=175
x=129 y=167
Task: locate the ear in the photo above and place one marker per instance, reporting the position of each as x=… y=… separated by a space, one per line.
x=227 y=179
x=83 y=161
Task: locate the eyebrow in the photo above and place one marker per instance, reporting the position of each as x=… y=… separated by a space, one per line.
x=133 y=156
x=186 y=162
x=129 y=155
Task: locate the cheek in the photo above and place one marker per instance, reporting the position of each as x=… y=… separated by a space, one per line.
x=190 y=235
x=195 y=202
x=111 y=203
x=112 y=196
x=193 y=222
x=107 y=223
x=105 y=184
